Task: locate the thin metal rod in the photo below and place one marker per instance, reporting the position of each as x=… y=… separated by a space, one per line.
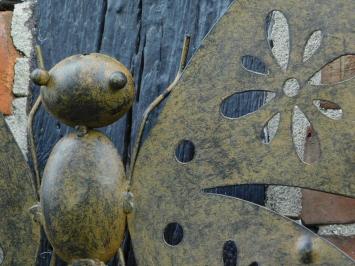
x=155 y=103
x=121 y=257
x=39 y=54
x=31 y=115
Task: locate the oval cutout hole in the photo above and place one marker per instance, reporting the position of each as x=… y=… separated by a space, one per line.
x=278 y=37
x=254 y=263
x=173 y=234
x=337 y=71
x=291 y=87
x=230 y=253
x=270 y=129
x=185 y=151
x=312 y=45
x=329 y=109
x=254 y=64
x=305 y=138
x=242 y=103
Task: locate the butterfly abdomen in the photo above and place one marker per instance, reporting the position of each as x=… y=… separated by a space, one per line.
x=81 y=197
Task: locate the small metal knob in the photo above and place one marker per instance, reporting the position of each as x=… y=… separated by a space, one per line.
x=117 y=80
x=40 y=77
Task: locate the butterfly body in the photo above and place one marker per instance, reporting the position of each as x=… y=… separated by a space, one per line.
x=81 y=197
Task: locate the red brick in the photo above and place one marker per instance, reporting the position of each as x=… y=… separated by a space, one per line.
x=8 y=55
x=346 y=244
x=325 y=208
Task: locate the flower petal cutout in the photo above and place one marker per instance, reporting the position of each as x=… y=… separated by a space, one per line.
x=305 y=138
x=337 y=71
x=254 y=64
x=329 y=109
x=278 y=37
x=312 y=45
x=243 y=103
x=270 y=129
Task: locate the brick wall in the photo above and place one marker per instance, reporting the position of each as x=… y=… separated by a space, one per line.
x=16 y=48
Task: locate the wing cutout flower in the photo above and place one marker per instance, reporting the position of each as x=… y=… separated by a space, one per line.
x=304 y=135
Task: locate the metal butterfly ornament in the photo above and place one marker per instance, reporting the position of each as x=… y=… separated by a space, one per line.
x=86 y=199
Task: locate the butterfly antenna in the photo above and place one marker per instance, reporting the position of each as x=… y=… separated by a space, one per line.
x=31 y=115
x=155 y=103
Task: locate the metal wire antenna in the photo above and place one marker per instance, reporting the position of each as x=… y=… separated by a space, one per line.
x=31 y=115
x=155 y=103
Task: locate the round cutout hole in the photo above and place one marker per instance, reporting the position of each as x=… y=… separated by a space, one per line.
x=173 y=234
x=185 y=151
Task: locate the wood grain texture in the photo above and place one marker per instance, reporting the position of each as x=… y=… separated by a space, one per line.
x=147 y=37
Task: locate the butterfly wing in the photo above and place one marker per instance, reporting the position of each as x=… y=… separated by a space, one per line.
x=230 y=151
x=19 y=235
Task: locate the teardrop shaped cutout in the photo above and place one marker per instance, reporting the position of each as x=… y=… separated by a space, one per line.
x=337 y=71
x=305 y=138
x=254 y=64
x=312 y=45
x=243 y=103
x=329 y=109
x=278 y=37
x=270 y=129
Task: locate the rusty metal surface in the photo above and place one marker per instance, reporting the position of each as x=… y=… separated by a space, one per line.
x=230 y=151
x=82 y=198
x=19 y=235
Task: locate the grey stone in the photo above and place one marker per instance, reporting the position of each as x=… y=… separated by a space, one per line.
x=284 y=200
x=20 y=31
x=22 y=77
x=337 y=229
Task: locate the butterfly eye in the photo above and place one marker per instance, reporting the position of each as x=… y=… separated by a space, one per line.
x=117 y=80
x=329 y=109
x=337 y=71
x=243 y=103
x=312 y=45
x=254 y=64
x=278 y=37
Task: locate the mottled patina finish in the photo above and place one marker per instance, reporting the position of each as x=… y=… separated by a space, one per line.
x=230 y=151
x=91 y=90
x=82 y=198
x=19 y=235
